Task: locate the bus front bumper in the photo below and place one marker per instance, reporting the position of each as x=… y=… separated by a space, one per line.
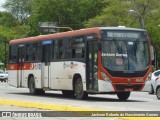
x=104 y=86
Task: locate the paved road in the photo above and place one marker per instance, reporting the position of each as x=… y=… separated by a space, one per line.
x=138 y=101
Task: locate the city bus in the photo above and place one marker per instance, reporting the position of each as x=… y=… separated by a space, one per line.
x=100 y=60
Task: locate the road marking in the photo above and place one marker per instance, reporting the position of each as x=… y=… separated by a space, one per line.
x=44 y=106
x=68 y=108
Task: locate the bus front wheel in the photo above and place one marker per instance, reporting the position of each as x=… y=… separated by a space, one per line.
x=123 y=95
x=32 y=88
x=79 y=92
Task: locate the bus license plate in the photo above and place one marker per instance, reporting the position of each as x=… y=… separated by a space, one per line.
x=128 y=89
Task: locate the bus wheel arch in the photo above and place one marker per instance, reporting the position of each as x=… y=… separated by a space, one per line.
x=32 y=86
x=78 y=87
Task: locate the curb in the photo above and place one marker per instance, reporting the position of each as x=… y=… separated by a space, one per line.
x=44 y=106
x=66 y=108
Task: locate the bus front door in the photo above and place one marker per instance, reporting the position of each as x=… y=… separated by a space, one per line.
x=21 y=57
x=46 y=57
x=92 y=65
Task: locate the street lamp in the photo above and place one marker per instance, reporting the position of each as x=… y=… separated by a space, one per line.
x=141 y=18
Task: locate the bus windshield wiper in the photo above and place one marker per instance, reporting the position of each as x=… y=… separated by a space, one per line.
x=135 y=48
x=117 y=45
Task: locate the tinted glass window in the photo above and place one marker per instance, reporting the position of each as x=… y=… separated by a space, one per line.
x=38 y=51
x=33 y=52
x=13 y=54
x=78 y=47
x=63 y=49
x=125 y=55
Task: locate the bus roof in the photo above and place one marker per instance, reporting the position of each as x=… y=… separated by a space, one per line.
x=55 y=35
x=121 y=28
x=68 y=34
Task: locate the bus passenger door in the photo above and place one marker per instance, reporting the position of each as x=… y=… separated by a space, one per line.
x=46 y=57
x=92 y=65
x=21 y=57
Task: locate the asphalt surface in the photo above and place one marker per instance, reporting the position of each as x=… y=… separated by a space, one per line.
x=12 y=98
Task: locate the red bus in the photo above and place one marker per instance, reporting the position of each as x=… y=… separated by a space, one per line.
x=112 y=60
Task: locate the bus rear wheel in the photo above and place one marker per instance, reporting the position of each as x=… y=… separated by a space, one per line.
x=32 y=88
x=123 y=95
x=79 y=92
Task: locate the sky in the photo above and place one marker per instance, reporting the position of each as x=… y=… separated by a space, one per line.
x=1 y=2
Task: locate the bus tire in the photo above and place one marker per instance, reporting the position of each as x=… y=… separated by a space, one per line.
x=67 y=92
x=40 y=92
x=79 y=92
x=32 y=88
x=123 y=95
x=158 y=92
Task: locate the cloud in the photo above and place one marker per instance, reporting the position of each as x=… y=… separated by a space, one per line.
x=1 y=3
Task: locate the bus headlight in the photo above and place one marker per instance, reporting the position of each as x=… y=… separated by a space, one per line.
x=105 y=77
x=148 y=77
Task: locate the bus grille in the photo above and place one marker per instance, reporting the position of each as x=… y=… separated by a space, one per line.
x=134 y=87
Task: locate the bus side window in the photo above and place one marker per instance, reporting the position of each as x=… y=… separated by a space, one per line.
x=73 y=53
x=61 y=54
x=34 y=50
x=63 y=49
x=31 y=52
x=67 y=51
x=38 y=52
x=13 y=54
x=78 y=47
x=13 y=59
x=27 y=52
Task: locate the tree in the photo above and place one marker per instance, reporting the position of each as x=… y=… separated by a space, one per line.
x=134 y=13
x=7 y=20
x=20 y=9
x=78 y=14
x=148 y=11
x=68 y=13
x=141 y=9
x=114 y=14
x=10 y=28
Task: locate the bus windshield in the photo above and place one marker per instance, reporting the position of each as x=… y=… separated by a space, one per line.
x=125 y=53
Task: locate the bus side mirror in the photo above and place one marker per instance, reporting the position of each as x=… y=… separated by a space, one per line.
x=152 y=52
